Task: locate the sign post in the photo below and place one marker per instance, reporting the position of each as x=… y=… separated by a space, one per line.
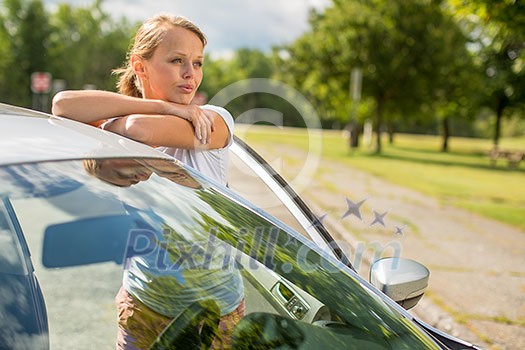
x=41 y=84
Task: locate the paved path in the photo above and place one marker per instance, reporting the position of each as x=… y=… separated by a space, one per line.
x=477 y=285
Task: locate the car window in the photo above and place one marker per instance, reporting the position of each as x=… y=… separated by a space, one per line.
x=254 y=179
x=247 y=182
x=91 y=226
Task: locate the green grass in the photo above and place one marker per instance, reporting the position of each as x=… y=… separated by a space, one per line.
x=463 y=177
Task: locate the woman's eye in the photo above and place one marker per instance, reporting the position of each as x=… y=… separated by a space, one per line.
x=176 y=60
x=197 y=64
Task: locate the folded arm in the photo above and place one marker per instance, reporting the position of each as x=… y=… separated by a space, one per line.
x=168 y=130
x=91 y=106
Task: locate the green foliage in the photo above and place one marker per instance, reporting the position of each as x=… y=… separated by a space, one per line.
x=80 y=45
x=410 y=53
x=23 y=47
x=428 y=66
x=497 y=29
x=249 y=64
x=6 y=60
x=86 y=45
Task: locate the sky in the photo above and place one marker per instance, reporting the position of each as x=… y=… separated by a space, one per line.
x=228 y=24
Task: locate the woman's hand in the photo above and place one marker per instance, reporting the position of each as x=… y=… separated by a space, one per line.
x=202 y=121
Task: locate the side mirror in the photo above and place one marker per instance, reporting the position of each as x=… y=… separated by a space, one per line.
x=403 y=280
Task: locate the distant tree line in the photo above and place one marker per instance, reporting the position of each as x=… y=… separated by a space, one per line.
x=427 y=66
x=424 y=63
x=77 y=45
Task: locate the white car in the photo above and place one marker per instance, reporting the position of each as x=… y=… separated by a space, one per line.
x=67 y=234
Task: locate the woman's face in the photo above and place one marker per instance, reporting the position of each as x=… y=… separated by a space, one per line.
x=174 y=72
x=122 y=172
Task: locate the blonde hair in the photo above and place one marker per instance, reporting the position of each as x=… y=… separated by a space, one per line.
x=91 y=166
x=147 y=39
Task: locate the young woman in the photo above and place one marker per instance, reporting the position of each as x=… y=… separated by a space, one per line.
x=163 y=72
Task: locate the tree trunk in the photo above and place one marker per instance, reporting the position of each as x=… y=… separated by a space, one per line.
x=354 y=129
x=446 y=134
x=391 y=132
x=497 y=127
x=379 y=112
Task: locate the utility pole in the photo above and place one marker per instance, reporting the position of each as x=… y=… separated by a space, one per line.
x=356 y=78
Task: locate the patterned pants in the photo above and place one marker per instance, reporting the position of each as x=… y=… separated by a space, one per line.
x=139 y=326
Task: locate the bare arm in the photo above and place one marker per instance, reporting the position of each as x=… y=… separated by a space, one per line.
x=168 y=130
x=89 y=106
x=92 y=105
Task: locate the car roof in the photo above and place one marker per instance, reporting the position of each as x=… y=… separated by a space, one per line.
x=28 y=136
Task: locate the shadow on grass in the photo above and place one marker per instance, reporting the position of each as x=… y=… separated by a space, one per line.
x=473 y=153
x=446 y=162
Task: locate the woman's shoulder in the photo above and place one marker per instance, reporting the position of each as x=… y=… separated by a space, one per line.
x=223 y=112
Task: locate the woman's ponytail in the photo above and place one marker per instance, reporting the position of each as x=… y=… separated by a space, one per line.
x=128 y=84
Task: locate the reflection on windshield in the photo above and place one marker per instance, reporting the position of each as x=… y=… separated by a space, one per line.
x=161 y=237
x=11 y=260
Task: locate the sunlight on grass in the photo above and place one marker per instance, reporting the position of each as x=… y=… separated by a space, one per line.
x=462 y=177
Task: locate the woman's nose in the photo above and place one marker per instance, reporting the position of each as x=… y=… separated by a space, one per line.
x=188 y=70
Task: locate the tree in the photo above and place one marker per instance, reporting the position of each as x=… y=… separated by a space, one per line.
x=87 y=44
x=314 y=70
x=5 y=61
x=497 y=28
x=78 y=44
x=458 y=82
x=26 y=48
x=254 y=106
x=400 y=47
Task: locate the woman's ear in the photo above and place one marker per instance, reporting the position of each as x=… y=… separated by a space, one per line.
x=138 y=66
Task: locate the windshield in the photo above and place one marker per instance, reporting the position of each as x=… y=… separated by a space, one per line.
x=78 y=233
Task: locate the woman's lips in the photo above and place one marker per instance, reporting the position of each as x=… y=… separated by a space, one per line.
x=186 y=88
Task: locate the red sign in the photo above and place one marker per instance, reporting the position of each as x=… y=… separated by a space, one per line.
x=40 y=82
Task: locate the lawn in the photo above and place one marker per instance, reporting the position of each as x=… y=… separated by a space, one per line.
x=462 y=177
